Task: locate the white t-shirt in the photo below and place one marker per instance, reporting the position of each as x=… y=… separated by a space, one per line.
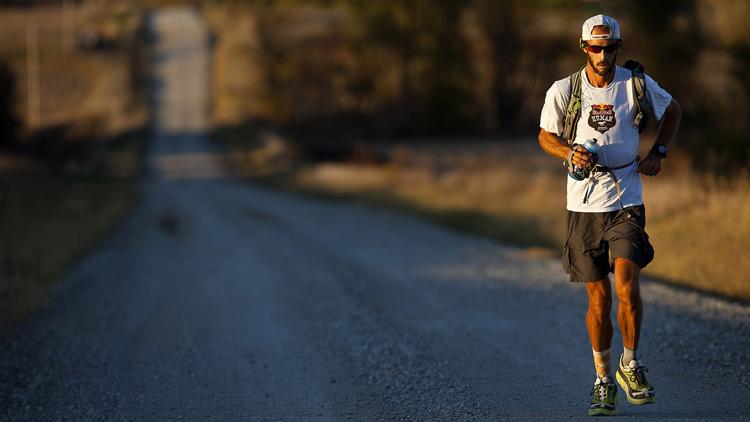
x=606 y=115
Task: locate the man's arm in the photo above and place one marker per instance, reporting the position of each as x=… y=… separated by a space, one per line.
x=670 y=122
x=556 y=147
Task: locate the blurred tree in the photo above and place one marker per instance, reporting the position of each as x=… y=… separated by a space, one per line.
x=9 y=121
x=528 y=47
x=741 y=53
x=730 y=149
x=668 y=40
x=500 y=22
x=445 y=66
x=423 y=41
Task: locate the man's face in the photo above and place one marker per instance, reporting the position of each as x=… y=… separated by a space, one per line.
x=601 y=60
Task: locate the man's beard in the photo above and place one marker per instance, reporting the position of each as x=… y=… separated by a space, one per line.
x=605 y=72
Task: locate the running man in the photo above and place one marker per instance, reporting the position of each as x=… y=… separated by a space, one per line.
x=606 y=217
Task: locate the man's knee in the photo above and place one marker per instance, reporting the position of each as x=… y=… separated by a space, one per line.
x=626 y=281
x=626 y=270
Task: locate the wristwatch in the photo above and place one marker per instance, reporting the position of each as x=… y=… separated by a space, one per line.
x=660 y=149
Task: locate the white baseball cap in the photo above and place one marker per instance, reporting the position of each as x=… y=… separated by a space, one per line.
x=600 y=20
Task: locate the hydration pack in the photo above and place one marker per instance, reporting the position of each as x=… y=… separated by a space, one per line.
x=573 y=111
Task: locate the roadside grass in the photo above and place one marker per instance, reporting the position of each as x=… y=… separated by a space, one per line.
x=76 y=179
x=466 y=199
x=46 y=223
x=700 y=228
x=519 y=230
x=49 y=219
x=699 y=224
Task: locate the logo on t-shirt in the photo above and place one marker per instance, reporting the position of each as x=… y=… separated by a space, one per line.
x=602 y=117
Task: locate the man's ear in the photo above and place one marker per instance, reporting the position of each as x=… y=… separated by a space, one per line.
x=581 y=43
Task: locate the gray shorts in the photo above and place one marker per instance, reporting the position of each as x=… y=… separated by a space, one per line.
x=594 y=240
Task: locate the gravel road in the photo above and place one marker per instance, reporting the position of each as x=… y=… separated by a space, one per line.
x=219 y=300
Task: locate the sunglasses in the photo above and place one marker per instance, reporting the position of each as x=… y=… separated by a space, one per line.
x=596 y=49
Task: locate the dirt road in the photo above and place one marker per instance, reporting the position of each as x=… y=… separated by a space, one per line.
x=218 y=300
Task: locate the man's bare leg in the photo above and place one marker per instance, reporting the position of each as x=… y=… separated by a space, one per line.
x=630 y=372
x=630 y=308
x=599 y=323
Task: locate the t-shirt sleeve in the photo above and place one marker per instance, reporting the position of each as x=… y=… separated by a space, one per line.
x=657 y=96
x=553 y=112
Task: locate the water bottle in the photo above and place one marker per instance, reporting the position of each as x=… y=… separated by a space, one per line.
x=581 y=173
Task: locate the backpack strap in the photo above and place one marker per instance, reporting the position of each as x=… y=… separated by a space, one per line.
x=573 y=111
x=638 y=81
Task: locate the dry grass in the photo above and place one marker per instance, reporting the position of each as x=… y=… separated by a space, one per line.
x=49 y=219
x=699 y=225
x=46 y=223
x=474 y=187
x=700 y=229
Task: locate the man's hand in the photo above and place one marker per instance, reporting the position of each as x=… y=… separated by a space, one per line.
x=651 y=165
x=581 y=157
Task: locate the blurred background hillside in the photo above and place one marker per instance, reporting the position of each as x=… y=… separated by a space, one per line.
x=424 y=68
x=430 y=106
x=352 y=70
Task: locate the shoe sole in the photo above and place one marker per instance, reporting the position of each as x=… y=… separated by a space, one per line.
x=626 y=388
x=602 y=412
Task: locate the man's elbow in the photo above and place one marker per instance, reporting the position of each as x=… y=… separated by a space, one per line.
x=541 y=138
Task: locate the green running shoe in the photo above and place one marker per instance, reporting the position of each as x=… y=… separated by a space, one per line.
x=632 y=379
x=603 y=397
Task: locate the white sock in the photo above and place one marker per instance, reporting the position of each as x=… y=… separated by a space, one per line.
x=601 y=362
x=627 y=355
